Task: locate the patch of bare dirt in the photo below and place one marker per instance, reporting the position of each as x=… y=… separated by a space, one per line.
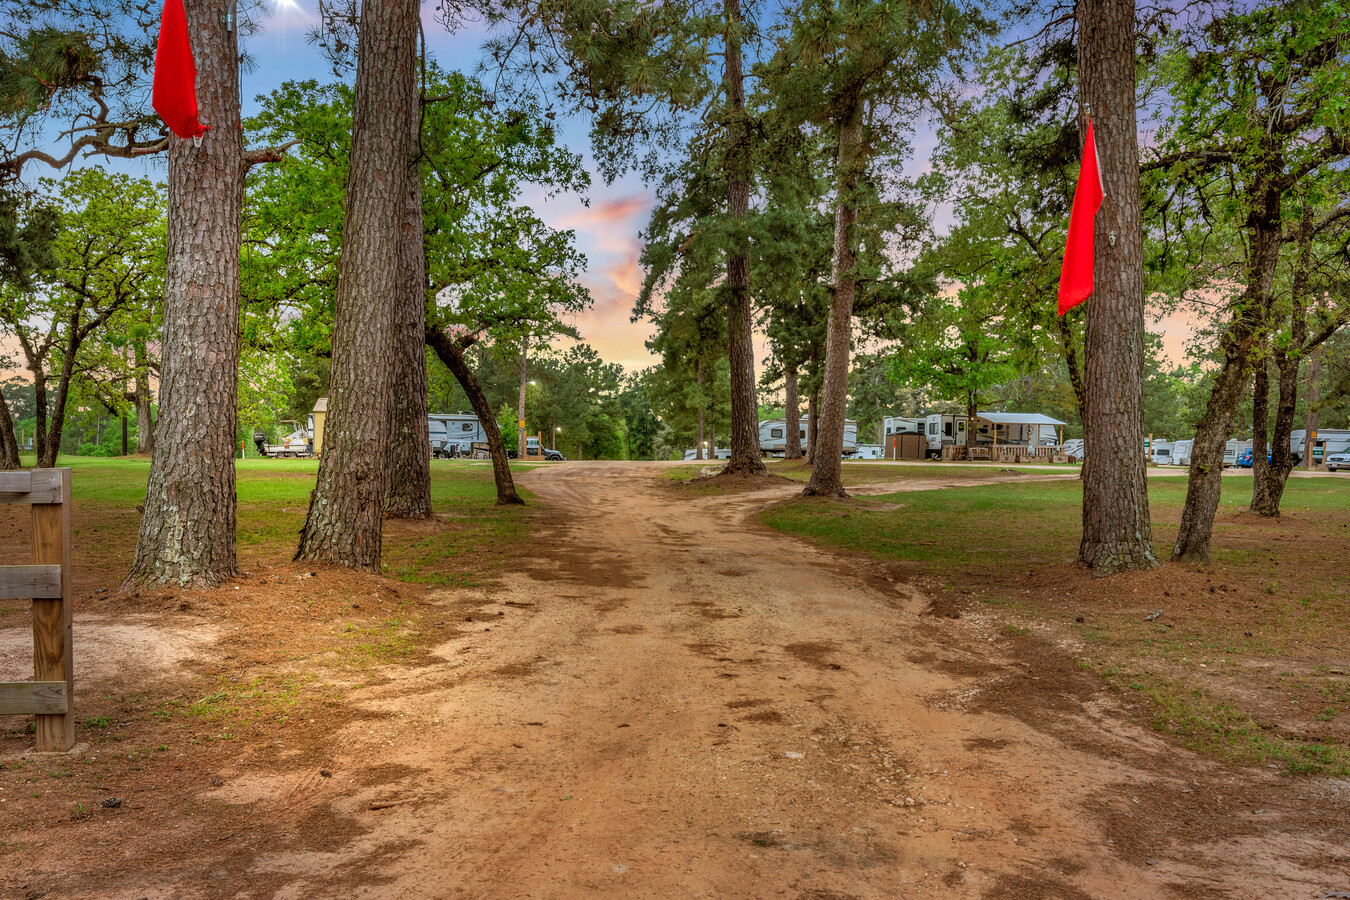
x=607 y=737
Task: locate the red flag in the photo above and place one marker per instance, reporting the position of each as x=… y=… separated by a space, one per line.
x=174 y=95
x=1075 y=279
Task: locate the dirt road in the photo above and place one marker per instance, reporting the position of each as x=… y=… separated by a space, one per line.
x=676 y=702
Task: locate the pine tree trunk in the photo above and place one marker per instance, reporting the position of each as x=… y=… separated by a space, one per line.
x=827 y=474
x=1117 y=533
x=409 y=437
x=745 y=455
x=450 y=354
x=9 y=441
x=712 y=438
x=145 y=421
x=1260 y=433
x=346 y=511
x=188 y=528
x=792 y=415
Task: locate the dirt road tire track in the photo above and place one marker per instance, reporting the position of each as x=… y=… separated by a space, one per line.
x=679 y=703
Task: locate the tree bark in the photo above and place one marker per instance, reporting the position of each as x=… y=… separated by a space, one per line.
x=1260 y=432
x=188 y=528
x=712 y=437
x=145 y=420
x=46 y=457
x=1268 y=484
x=792 y=415
x=1276 y=474
x=39 y=409
x=972 y=410
x=453 y=357
x=1238 y=344
x=827 y=474
x=9 y=441
x=346 y=511
x=745 y=456
x=409 y=437
x=1071 y=361
x=1117 y=532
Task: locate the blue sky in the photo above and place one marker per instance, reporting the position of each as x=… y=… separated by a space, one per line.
x=607 y=230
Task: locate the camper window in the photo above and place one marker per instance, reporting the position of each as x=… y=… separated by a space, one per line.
x=776 y=432
x=467 y=426
x=803 y=434
x=947 y=428
x=932 y=428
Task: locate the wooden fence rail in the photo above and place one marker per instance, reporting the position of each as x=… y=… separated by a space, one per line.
x=51 y=694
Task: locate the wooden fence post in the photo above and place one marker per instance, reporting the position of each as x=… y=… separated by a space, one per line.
x=50 y=695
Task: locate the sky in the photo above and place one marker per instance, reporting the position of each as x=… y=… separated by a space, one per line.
x=607 y=227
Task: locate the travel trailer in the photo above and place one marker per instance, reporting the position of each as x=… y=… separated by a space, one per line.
x=773 y=436
x=1327 y=442
x=1181 y=452
x=454 y=434
x=902 y=425
x=1161 y=453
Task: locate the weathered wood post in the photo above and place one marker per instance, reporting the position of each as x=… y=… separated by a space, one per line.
x=51 y=694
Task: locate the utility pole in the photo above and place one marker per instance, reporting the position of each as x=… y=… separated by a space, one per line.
x=1314 y=397
x=524 y=367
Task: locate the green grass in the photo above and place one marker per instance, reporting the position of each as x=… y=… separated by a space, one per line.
x=273 y=498
x=1285 y=597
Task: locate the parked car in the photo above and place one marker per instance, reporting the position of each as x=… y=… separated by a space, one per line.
x=553 y=455
x=1337 y=461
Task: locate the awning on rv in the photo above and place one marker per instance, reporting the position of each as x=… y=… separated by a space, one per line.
x=1000 y=418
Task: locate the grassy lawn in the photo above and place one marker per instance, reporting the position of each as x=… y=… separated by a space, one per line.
x=273 y=497
x=1246 y=658
x=288 y=641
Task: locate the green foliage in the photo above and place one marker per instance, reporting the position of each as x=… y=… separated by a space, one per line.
x=956 y=351
x=495 y=271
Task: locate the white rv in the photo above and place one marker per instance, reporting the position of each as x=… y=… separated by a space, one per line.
x=773 y=436
x=902 y=425
x=1161 y=454
x=1181 y=452
x=1327 y=442
x=454 y=434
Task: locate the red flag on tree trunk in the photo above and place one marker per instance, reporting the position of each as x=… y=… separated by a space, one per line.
x=1075 y=279
x=174 y=94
